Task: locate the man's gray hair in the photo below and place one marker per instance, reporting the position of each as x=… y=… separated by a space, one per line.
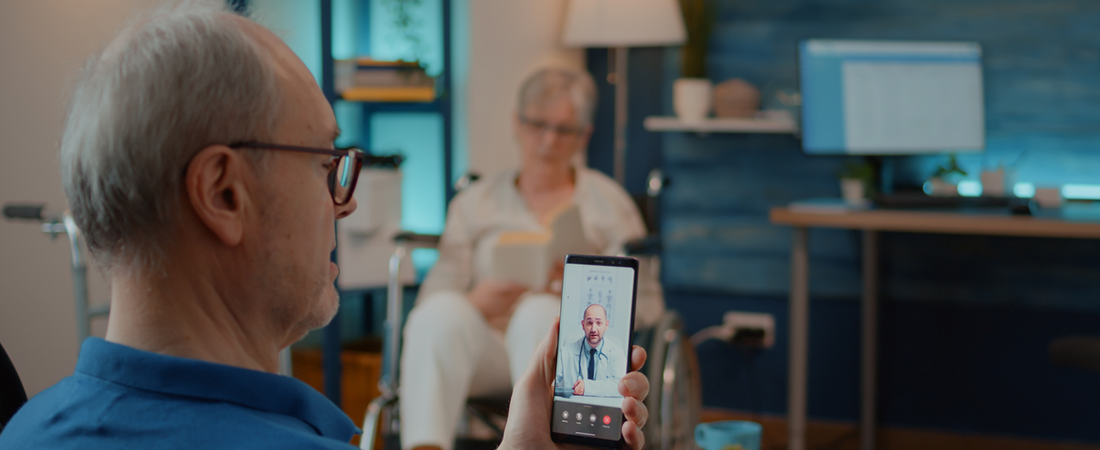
x=172 y=83
x=552 y=83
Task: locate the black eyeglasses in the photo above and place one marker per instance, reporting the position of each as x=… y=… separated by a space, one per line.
x=345 y=174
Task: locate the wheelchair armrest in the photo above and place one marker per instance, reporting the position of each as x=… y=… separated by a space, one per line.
x=647 y=246
x=417 y=240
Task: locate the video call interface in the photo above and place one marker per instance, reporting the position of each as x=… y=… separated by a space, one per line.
x=592 y=350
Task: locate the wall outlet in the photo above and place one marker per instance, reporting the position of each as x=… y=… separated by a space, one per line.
x=749 y=329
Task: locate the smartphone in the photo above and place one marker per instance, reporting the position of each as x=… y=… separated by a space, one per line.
x=595 y=336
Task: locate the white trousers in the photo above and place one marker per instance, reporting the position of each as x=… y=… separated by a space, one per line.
x=451 y=354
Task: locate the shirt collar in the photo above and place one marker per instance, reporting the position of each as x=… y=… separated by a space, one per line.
x=587 y=348
x=193 y=378
x=580 y=182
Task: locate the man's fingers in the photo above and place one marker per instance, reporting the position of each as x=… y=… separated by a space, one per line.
x=635 y=411
x=633 y=436
x=634 y=385
x=637 y=358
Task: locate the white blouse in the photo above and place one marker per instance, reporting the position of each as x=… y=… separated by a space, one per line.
x=493 y=205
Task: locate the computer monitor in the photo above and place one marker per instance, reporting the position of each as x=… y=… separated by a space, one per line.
x=891 y=97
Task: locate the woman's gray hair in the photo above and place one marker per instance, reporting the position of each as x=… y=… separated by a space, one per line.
x=172 y=83
x=552 y=83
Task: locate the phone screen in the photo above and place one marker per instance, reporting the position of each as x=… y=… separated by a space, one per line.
x=594 y=341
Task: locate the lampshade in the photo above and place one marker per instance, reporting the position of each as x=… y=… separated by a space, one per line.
x=623 y=23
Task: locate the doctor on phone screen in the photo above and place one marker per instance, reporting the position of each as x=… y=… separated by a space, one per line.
x=593 y=364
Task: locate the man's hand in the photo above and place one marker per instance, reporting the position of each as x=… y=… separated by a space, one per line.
x=533 y=396
x=495 y=299
x=578 y=387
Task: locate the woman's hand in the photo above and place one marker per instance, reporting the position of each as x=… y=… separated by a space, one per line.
x=533 y=396
x=495 y=299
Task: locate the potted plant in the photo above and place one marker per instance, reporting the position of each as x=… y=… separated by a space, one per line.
x=407 y=26
x=691 y=94
x=857 y=181
x=943 y=182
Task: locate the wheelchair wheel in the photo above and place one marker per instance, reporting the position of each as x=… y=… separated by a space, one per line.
x=674 y=397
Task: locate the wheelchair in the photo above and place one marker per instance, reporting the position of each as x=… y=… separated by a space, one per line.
x=674 y=399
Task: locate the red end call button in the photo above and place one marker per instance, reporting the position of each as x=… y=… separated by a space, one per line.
x=607 y=420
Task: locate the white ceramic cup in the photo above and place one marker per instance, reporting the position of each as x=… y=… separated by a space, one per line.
x=691 y=99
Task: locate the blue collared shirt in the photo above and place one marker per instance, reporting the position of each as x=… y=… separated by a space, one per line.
x=121 y=397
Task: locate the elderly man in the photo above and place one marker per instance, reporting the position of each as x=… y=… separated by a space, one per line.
x=198 y=160
x=592 y=365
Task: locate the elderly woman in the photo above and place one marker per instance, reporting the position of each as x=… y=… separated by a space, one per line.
x=471 y=335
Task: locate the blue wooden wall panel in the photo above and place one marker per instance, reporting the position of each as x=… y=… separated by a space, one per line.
x=646 y=98
x=745 y=254
x=726 y=173
x=965 y=320
x=1042 y=83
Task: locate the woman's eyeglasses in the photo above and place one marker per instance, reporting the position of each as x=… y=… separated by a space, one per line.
x=564 y=131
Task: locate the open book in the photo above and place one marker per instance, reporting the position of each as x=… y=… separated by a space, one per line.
x=527 y=257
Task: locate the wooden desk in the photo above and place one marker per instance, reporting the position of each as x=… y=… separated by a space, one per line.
x=1068 y=223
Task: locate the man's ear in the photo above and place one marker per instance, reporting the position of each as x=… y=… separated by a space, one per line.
x=215 y=183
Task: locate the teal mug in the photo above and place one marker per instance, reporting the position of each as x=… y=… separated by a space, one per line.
x=728 y=435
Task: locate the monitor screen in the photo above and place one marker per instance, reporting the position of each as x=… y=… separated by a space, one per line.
x=891 y=97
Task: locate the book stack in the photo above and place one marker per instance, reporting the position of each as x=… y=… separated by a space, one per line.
x=369 y=80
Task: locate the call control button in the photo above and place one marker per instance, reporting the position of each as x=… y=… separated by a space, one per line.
x=607 y=420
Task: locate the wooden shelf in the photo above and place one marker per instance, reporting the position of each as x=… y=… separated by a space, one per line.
x=421 y=94
x=755 y=125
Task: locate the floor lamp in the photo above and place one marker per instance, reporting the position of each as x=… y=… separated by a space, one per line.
x=618 y=24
